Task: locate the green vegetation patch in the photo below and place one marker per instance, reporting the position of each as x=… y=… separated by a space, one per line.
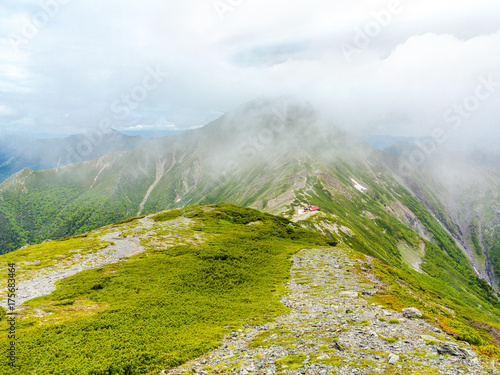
x=160 y=309
x=292 y=362
x=169 y=215
x=276 y=336
x=129 y=220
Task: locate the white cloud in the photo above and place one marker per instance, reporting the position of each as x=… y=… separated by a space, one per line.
x=6 y=111
x=156 y=126
x=424 y=59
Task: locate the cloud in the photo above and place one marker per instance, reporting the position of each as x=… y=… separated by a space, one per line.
x=411 y=64
x=6 y=111
x=161 y=124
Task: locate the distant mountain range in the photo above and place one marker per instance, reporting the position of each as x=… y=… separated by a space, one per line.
x=19 y=152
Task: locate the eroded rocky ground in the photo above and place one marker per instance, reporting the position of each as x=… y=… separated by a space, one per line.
x=335 y=328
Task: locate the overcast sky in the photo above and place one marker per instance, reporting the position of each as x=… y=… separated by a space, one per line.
x=409 y=67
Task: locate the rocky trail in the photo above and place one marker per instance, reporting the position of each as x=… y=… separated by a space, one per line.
x=334 y=328
x=43 y=282
x=122 y=244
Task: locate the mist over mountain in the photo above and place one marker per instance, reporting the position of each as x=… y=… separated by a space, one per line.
x=385 y=141
x=277 y=155
x=19 y=152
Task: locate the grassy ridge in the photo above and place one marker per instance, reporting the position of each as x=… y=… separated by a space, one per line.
x=167 y=305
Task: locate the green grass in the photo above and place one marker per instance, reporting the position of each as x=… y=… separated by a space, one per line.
x=169 y=215
x=264 y=339
x=390 y=340
x=293 y=362
x=164 y=307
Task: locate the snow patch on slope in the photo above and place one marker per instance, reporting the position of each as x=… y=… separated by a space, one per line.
x=358 y=186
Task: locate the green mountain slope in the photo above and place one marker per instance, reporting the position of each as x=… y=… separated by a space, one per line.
x=469 y=193
x=272 y=155
x=463 y=193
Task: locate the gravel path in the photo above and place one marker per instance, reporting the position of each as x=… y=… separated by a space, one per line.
x=333 y=328
x=163 y=234
x=43 y=282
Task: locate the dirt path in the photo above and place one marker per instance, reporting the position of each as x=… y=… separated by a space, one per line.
x=333 y=328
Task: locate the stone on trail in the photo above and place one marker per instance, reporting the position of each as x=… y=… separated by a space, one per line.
x=393 y=359
x=250 y=367
x=337 y=346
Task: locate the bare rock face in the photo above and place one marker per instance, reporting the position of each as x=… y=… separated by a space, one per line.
x=411 y=312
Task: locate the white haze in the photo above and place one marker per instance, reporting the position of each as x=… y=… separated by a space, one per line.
x=423 y=61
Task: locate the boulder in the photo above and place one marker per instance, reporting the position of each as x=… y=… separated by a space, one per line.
x=411 y=312
x=454 y=350
x=393 y=359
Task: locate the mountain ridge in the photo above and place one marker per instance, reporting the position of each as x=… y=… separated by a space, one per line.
x=19 y=152
x=268 y=154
